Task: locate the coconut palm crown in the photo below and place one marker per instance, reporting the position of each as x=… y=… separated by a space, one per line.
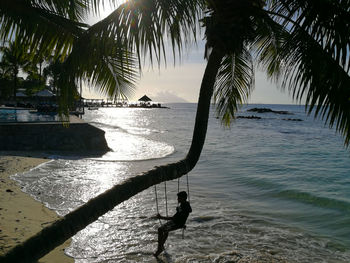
x=56 y=28
x=304 y=44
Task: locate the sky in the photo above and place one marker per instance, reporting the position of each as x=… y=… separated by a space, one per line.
x=181 y=82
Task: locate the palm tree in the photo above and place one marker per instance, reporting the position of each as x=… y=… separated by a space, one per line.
x=304 y=43
x=55 y=28
x=52 y=72
x=12 y=61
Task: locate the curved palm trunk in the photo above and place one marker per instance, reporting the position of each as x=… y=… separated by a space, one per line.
x=64 y=228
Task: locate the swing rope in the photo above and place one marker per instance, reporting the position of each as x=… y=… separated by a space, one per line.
x=155 y=190
x=188 y=196
x=166 y=199
x=188 y=189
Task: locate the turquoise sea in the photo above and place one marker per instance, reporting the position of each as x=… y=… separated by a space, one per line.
x=276 y=186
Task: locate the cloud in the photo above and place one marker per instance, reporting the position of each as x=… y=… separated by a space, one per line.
x=167 y=97
x=182 y=83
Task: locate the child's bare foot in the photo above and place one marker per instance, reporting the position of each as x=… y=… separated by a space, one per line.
x=159 y=250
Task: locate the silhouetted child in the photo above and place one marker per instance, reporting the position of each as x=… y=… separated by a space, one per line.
x=175 y=222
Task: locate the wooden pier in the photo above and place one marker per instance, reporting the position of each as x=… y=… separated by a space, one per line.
x=93 y=104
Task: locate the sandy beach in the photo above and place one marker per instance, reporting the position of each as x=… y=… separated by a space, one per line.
x=20 y=215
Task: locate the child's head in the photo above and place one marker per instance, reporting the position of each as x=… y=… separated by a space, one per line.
x=181 y=196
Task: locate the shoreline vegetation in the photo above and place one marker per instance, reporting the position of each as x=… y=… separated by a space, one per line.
x=20 y=215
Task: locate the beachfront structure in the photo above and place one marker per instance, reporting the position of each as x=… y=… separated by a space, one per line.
x=44 y=93
x=143 y=102
x=145 y=98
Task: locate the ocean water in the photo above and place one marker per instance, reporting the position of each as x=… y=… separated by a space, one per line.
x=274 y=187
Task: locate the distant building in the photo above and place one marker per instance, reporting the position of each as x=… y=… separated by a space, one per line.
x=145 y=99
x=145 y=102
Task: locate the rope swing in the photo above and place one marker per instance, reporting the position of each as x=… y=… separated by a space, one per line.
x=166 y=195
x=155 y=190
x=166 y=199
x=188 y=197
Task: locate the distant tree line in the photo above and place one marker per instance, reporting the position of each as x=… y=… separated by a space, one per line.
x=21 y=72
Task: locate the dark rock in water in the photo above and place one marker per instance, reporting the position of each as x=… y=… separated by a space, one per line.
x=292 y=119
x=267 y=110
x=249 y=117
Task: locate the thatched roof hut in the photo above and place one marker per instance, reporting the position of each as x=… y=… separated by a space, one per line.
x=145 y=99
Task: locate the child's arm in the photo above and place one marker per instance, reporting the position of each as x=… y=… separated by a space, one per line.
x=164 y=217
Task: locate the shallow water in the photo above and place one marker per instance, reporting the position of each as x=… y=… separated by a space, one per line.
x=264 y=186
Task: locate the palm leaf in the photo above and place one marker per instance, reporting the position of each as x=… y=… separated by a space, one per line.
x=145 y=26
x=316 y=57
x=314 y=74
x=105 y=63
x=42 y=26
x=235 y=80
x=267 y=45
x=327 y=22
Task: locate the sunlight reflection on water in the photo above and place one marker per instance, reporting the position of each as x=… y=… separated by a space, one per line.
x=125 y=131
x=130 y=120
x=128 y=147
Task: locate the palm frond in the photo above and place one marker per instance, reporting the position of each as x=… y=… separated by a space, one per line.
x=327 y=22
x=106 y=65
x=268 y=43
x=235 y=81
x=145 y=26
x=73 y=9
x=315 y=57
x=41 y=27
x=312 y=73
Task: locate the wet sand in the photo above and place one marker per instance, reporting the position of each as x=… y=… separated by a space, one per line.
x=20 y=215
